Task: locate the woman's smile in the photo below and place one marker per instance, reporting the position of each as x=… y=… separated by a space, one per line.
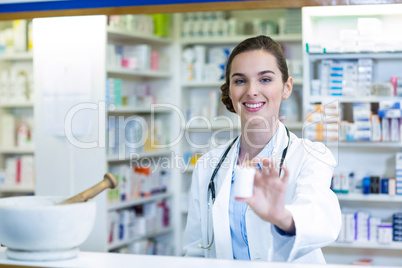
x=253 y=106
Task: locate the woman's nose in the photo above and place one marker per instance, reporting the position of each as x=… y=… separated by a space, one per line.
x=252 y=89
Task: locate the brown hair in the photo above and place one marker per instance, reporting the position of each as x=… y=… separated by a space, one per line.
x=261 y=42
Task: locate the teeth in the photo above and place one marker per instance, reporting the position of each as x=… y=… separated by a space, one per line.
x=254 y=105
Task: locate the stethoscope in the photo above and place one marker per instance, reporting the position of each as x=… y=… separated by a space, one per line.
x=211 y=185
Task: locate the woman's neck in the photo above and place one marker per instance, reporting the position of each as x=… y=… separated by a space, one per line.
x=253 y=140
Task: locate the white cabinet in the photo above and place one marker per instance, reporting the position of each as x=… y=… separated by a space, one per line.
x=348 y=69
x=16 y=109
x=81 y=81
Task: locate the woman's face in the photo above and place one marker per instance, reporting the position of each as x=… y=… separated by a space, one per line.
x=256 y=87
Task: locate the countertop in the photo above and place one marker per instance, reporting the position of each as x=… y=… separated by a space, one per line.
x=111 y=260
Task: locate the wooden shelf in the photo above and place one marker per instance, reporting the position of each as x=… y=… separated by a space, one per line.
x=125 y=35
x=122 y=243
x=139 y=201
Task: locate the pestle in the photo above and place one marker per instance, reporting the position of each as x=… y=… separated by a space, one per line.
x=109 y=181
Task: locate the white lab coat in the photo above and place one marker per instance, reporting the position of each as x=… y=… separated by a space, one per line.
x=314 y=207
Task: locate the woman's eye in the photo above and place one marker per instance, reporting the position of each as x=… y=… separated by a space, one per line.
x=239 y=81
x=265 y=80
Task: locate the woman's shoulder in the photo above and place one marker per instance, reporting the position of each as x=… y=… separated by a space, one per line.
x=312 y=149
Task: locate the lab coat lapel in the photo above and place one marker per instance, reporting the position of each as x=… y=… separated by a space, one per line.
x=281 y=143
x=220 y=210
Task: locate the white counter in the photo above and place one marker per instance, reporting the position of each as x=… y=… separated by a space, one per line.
x=111 y=260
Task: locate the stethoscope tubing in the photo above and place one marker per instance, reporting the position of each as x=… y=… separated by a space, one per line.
x=211 y=185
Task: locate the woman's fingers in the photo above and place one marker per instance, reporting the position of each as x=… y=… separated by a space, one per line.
x=258 y=178
x=269 y=170
x=270 y=167
x=285 y=175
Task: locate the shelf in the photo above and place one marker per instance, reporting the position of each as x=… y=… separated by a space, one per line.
x=218 y=84
x=138 y=110
x=352 y=99
x=357 y=55
x=297 y=81
x=130 y=73
x=189 y=169
x=119 y=244
x=22 y=189
x=294 y=125
x=17 y=56
x=202 y=126
x=215 y=125
x=365 y=144
x=136 y=156
x=17 y=105
x=373 y=245
x=215 y=40
x=125 y=35
x=139 y=201
x=370 y=198
x=16 y=150
x=207 y=84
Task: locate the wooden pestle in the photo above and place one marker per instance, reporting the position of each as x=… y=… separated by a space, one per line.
x=109 y=181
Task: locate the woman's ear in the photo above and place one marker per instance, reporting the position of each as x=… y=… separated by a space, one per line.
x=287 y=89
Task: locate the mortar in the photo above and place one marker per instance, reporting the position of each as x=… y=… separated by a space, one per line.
x=35 y=229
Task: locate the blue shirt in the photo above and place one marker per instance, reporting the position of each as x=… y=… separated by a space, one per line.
x=237 y=211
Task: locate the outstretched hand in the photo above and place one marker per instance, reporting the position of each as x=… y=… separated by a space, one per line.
x=268 y=200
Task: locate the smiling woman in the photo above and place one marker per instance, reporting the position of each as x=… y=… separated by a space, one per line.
x=291 y=214
x=256 y=81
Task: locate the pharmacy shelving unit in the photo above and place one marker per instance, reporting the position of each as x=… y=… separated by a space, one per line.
x=85 y=41
x=321 y=25
x=376 y=200
x=165 y=80
x=218 y=127
x=23 y=61
x=138 y=202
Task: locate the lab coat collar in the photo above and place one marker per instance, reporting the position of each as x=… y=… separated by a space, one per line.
x=220 y=209
x=282 y=141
